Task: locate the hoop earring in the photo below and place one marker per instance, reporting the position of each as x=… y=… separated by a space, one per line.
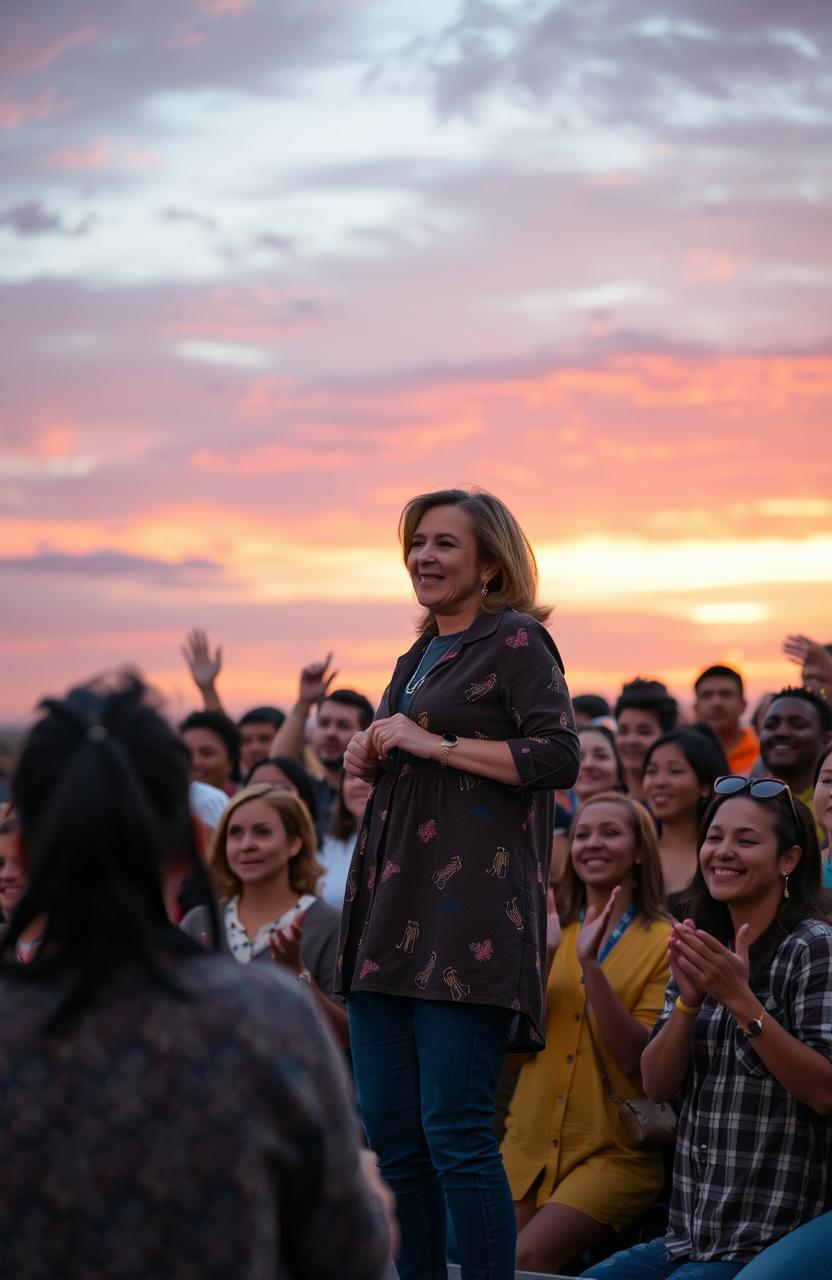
x=786 y=887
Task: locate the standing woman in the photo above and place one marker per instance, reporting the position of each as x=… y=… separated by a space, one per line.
x=745 y=1042
x=680 y=770
x=443 y=938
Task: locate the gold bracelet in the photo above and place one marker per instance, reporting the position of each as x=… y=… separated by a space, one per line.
x=690 y=1009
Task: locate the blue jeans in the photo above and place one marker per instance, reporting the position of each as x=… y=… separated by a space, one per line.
x=426 y=1073
x=651 y=1262
x=804 y=1253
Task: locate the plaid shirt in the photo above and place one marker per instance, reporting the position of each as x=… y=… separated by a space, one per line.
x=752 y=1163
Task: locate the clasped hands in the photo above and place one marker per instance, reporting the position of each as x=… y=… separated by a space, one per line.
x=702 y=966
x=369 y=748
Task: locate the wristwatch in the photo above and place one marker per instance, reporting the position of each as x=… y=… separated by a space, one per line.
x=754 y=1027
x=304 y=976
x=449 y=740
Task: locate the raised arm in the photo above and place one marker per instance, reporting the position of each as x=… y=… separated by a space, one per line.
x=315 y=681
x=204 y=667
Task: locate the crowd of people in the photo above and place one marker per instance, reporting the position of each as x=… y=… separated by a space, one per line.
x=572 y=961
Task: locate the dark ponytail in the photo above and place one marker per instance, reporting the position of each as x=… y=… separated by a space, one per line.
x=101 y=788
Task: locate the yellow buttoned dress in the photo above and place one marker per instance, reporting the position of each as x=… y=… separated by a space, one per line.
x=562 y=1128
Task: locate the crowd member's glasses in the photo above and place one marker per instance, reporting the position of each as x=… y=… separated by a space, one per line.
x=734 y=784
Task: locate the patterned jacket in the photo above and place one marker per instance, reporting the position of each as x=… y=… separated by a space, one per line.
x=446 y=895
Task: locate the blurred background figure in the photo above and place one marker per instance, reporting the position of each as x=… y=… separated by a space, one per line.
x=644 y=711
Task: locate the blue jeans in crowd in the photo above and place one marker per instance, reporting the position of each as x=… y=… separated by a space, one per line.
x=426 y=1073
x=805 y=1254
x=652 y=1262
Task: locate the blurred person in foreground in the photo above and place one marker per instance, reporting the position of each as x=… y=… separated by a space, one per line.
x=164 y=1113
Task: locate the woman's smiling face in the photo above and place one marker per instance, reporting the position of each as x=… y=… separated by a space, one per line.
x=444 y=561
x=603 y=848
x=739 y=859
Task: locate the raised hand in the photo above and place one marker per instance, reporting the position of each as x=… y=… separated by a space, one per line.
x=815 y=660
x=202 y=665
x=593 y=929
x=713 y=969
x=315 y=680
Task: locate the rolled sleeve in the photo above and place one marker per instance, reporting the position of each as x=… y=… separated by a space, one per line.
x=534 y=692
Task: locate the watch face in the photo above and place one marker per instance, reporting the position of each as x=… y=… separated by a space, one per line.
x=450 y=740
x=754 y=1028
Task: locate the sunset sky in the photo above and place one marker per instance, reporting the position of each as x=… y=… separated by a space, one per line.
x=270 y=267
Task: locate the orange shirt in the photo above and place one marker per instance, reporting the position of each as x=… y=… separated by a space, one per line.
x=743 y=756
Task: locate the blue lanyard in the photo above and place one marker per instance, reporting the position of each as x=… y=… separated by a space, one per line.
x=617 y=933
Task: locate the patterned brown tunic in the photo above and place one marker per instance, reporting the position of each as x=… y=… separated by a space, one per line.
x=446 y=895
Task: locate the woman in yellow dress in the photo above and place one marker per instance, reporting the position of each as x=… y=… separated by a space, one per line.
x=575 y=1175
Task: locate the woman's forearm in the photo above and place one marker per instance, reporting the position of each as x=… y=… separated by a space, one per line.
x=623 y=1036
x=487 y=759
x=665 y=1061
x=799 y=1068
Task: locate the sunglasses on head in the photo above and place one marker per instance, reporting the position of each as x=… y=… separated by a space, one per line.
x=734 y=784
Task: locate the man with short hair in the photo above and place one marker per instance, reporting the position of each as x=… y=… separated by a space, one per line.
x=341 y=713
x=797 y=727
x=257 y=729
x=720 y=703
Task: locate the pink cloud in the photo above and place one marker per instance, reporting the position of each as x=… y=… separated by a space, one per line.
x=16 y=111
x=52 y=52
x=268 y=460
x=93 y=156
x=223 y=8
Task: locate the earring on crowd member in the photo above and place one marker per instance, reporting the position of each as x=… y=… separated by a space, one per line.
x=786 y=887
x=485 y=587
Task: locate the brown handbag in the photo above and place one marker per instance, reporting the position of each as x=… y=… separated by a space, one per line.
x=646 y=1123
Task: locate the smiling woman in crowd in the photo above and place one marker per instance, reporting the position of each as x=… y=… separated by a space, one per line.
x=745 y=1041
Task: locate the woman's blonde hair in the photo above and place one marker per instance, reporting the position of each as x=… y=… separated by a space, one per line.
x=304 y=868
x=649 y=894
x=499 y=537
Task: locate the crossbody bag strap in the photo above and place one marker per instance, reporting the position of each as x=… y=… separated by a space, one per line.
x=605 y=1080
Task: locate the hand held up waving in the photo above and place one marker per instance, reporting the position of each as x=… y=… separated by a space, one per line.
x=203 y=667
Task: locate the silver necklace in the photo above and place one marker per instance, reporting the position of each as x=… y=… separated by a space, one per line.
x=416 y=681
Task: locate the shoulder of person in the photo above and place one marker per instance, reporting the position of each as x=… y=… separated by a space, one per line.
x=517 y=631
x=196 y=921
x=812 y=936
x=324 y=916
